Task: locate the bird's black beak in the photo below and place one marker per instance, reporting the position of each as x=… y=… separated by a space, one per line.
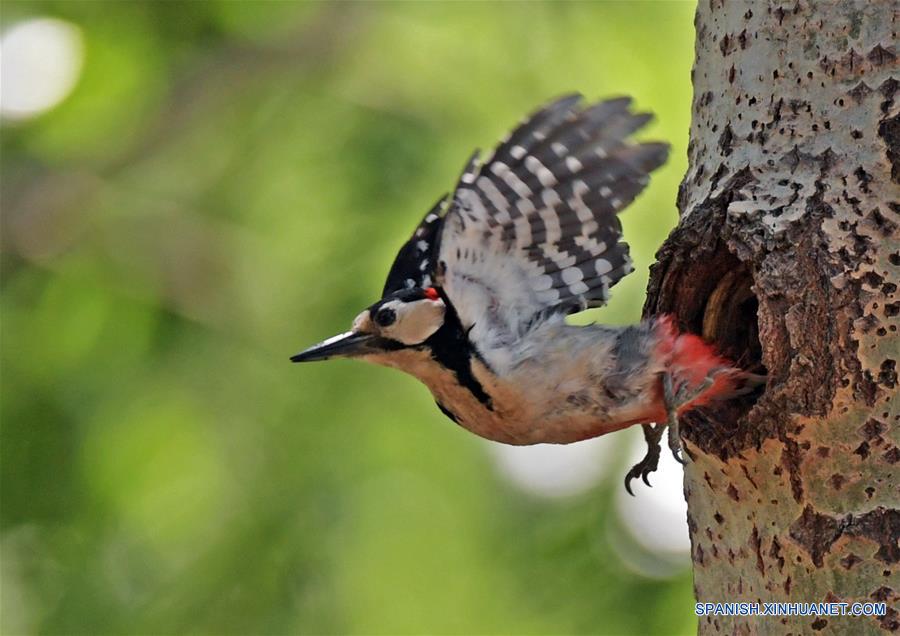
x=345 y=345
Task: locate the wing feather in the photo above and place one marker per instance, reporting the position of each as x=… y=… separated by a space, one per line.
x=533 y=230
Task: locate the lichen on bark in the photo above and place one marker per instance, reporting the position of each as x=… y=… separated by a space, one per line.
x=787 y=255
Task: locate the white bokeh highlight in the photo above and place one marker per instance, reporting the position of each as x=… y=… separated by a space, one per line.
x=40 y=62
x=554 y=470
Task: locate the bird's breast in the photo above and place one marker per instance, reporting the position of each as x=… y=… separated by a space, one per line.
x=523 y=413
x=556 y=399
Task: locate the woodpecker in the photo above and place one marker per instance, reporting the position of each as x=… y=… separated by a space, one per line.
x=475 y=302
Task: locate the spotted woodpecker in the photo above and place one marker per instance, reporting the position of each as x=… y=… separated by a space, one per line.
x=474 y=304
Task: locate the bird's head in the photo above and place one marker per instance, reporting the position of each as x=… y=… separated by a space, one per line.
x=402 y=319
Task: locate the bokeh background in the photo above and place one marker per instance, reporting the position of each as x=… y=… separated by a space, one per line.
x=191 y=193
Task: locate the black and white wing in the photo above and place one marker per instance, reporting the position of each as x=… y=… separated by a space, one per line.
x=533 y=231
x=414 y=265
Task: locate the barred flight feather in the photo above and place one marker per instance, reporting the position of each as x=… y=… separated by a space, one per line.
x=533 y=230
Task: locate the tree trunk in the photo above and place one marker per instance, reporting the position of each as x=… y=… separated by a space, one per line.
x=787 y=255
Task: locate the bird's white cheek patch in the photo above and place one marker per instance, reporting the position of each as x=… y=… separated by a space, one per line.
x=416 y=321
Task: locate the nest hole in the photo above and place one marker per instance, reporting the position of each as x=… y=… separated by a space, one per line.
x=712 y=295
x=729 y=319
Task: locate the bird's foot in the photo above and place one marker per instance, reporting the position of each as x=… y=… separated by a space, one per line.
x=652 y=435
x=671 y=396
x=675 y=397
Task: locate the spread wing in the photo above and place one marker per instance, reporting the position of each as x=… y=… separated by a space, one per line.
x=533 y=230
x=414 y=264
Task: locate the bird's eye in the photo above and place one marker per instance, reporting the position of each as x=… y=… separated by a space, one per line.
x=385 y=317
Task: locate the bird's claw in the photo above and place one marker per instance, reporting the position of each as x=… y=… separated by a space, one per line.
x=652 y=434
x=674 y=397
x=675 y=443
x=643 y=469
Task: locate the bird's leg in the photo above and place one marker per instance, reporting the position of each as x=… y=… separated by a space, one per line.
x=673 y=398
x=670 y=399
x=652 y=435
x=676 y=398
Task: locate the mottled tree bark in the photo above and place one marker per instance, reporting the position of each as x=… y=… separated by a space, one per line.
x=787 y=255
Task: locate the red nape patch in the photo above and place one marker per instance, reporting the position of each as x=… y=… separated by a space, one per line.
x=432 y=294
x=690 y=359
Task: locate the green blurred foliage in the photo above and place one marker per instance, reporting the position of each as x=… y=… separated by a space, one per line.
x=228 y=183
